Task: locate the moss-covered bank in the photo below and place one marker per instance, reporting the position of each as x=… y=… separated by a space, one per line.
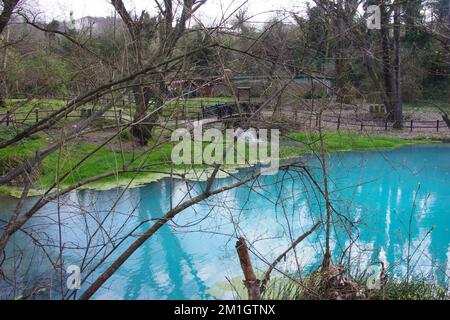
x=106 y=160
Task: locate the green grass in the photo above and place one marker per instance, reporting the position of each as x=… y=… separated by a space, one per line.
x=282 y=288
x=106 y=160
x=417 y=289
x=103 y=161
x=25 y=110
x=426 y=106
x=13 y=156
x=22 y=106
x=298 y=143
x=44 y=104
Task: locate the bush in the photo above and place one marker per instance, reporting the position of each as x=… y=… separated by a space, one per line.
x=315 y=95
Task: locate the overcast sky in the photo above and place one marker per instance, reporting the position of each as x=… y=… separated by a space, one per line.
x=213 y=9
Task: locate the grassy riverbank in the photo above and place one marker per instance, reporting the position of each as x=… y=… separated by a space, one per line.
x=311 y=288
x=108 y=159
x=297 y=143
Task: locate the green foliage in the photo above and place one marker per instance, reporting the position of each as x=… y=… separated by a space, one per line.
x=40 y=74
x=203 y=59
x=125 y=135
x=309 y=286
x=54 y=25
x=417 y=289
x=315 y=95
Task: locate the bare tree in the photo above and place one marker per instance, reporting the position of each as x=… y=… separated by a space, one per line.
x=167 y=35
x=8 y=7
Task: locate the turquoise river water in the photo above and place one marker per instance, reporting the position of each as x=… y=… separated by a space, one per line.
x=398 y=201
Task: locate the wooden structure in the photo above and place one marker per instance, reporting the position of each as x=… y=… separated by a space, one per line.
x=243 y=94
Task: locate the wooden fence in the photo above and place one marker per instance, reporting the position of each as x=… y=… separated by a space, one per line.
x=382 y=124
x=22 y=117
x=225 y=110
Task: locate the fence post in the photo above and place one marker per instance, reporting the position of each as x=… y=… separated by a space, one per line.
x=7 y=118
x=386 y=125
x=339 y=123
x=362 y=125
x=317 y=120
x=411 y=128
x=36 y=111
x=120 y=115
x=437 y=125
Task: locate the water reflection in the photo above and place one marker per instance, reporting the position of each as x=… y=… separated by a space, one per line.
x=395 y=198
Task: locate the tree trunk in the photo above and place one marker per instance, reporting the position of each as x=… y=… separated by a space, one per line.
x=389 y=85
x=5 y=16
x=250 y=282
x=146 y=117
x=4 y=19
x=168 y=37
x=340 y=59
x=445 y=117
x=327 y=256
x=3 y=89
x=142 y=95
x=398 y=112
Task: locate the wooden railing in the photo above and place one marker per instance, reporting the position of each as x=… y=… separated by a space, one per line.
x=223 y=110
x=361 y=123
